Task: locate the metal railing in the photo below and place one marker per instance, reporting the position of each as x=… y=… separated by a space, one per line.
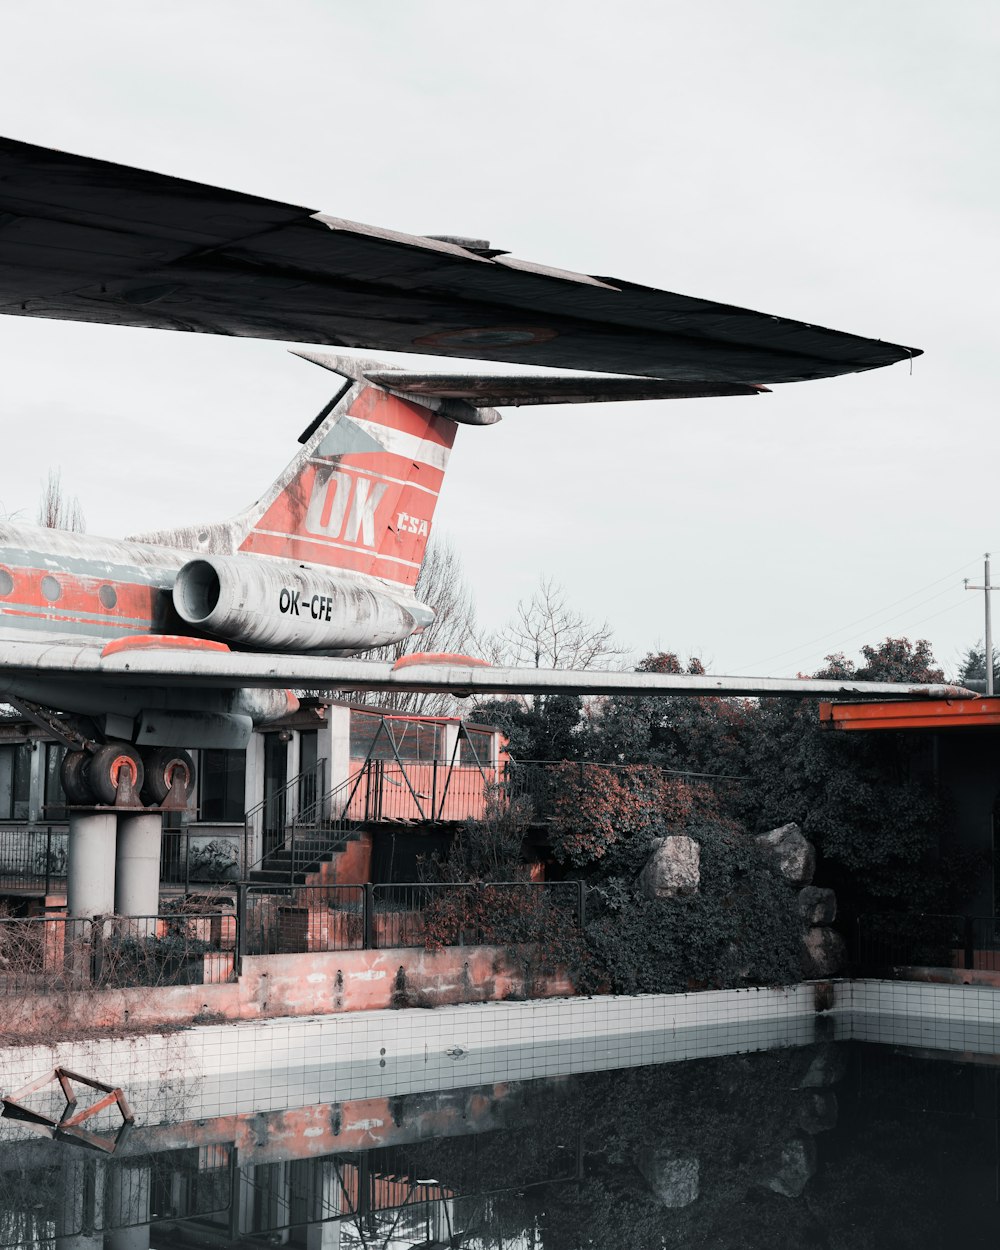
x=267 y=822
x=890 y=942
x=47 y=953
x=33 y=856
x=472 y=913
x=301 y=919
x=542 y=782
x=297 y=920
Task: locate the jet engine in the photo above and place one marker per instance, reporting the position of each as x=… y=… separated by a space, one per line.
x=284 y=606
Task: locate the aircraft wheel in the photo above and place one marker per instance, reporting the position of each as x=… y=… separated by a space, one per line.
x=73 y=775
x=108 y=768
x=164 y=766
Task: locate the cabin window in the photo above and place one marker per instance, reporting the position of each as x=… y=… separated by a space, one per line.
x=6 y=582
x=51 y=588
x=108 y=597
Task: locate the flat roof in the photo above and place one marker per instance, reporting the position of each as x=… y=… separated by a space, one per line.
x=913 y=714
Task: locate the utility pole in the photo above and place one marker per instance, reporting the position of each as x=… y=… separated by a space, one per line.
x=988 y=647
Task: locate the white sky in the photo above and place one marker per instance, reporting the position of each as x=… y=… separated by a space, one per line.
x=832 y=162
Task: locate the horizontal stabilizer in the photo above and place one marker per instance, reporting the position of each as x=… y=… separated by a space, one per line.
x=515 y=390
x=87 y=240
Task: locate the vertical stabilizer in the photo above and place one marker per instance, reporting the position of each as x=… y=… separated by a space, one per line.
x=359 y=496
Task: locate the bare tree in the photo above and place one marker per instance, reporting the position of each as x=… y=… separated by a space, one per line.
x=545 y=632
x=56 y=509
x=442 y=586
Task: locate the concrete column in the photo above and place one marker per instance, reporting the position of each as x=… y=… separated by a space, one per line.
x=137 y=864
x=325 y=1234
x=254 y=792
x=450 y=741
x=90 y=866
x=337 y=746
x=127 y=1209
x=82 y=1216
x=36 y=785
x=292 y=771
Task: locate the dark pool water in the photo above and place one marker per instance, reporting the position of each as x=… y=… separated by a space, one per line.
x=835 y=1145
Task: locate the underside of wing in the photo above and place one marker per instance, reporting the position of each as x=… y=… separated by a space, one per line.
x=87 y=240
x=192 y=664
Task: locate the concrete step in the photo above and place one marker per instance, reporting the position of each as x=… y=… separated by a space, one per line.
x=268 y=876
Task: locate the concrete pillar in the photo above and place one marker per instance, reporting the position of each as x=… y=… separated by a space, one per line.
x=291 y=771
x=36 y=785
x=337 y=746
x=90 y=866
x=82 y=1218
x=253 y=793
x=127 y=1209
x=325 y=1234
x=450 y=741
x=137 y=864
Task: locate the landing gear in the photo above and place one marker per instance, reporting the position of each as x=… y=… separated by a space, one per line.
x=169 y=775
x=115 y=773
x=74 y=779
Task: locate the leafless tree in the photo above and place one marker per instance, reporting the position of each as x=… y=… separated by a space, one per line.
x=545 y=632
x=57 y=510
x=442 y=586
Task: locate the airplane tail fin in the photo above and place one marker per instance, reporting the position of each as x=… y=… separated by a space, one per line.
x=361 y=494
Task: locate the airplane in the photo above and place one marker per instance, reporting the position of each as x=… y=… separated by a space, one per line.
x=132 y=652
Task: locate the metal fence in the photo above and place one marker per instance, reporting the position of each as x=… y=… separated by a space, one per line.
x=300 y=919
x=33 y=857
x=890 y=942
x=47 y=953
x=542 y=783
x=296 y=920
x=190 y=947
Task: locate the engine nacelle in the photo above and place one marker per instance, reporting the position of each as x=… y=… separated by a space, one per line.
x=279 y=605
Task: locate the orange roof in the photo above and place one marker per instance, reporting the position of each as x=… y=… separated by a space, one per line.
x=915 y=714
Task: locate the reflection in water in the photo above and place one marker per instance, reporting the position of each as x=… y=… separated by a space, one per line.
x=839 y=1145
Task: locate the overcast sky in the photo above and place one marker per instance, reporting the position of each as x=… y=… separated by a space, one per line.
x=831 y=162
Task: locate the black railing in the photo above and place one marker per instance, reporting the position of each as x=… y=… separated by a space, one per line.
x=266 y=824
x=295 y=920
x=300 y=919
x=33 y=857
x=48 y=953
x=542 y=782
x=891 y=942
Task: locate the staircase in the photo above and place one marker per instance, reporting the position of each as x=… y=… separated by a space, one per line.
x=313 y=842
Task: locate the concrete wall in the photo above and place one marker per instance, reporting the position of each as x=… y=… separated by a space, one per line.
x=286 y=985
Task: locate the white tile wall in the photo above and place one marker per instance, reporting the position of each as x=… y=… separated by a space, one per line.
x=267 y=1065
x=215 y=1069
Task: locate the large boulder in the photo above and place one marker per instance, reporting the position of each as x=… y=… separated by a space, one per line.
x=817 y=906
x=674 y=867
x=673 y=1181
x=791 y=1167
x=823 y=952
x=792 y=854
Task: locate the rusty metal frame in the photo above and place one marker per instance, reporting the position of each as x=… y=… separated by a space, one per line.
x=14 y=1108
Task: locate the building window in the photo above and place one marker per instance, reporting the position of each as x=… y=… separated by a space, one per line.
x=15 y=781
x=476 y=748
x=374 y=736
x=223 y=786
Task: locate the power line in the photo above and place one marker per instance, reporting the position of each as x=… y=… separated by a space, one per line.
x=799 y=649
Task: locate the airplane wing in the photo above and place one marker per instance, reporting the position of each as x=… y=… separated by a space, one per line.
x=87 y=240
x=197 y=664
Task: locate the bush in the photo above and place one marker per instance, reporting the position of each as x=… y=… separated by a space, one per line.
x=741 y=928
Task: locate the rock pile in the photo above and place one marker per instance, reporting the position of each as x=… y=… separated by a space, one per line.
x=794 y=859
